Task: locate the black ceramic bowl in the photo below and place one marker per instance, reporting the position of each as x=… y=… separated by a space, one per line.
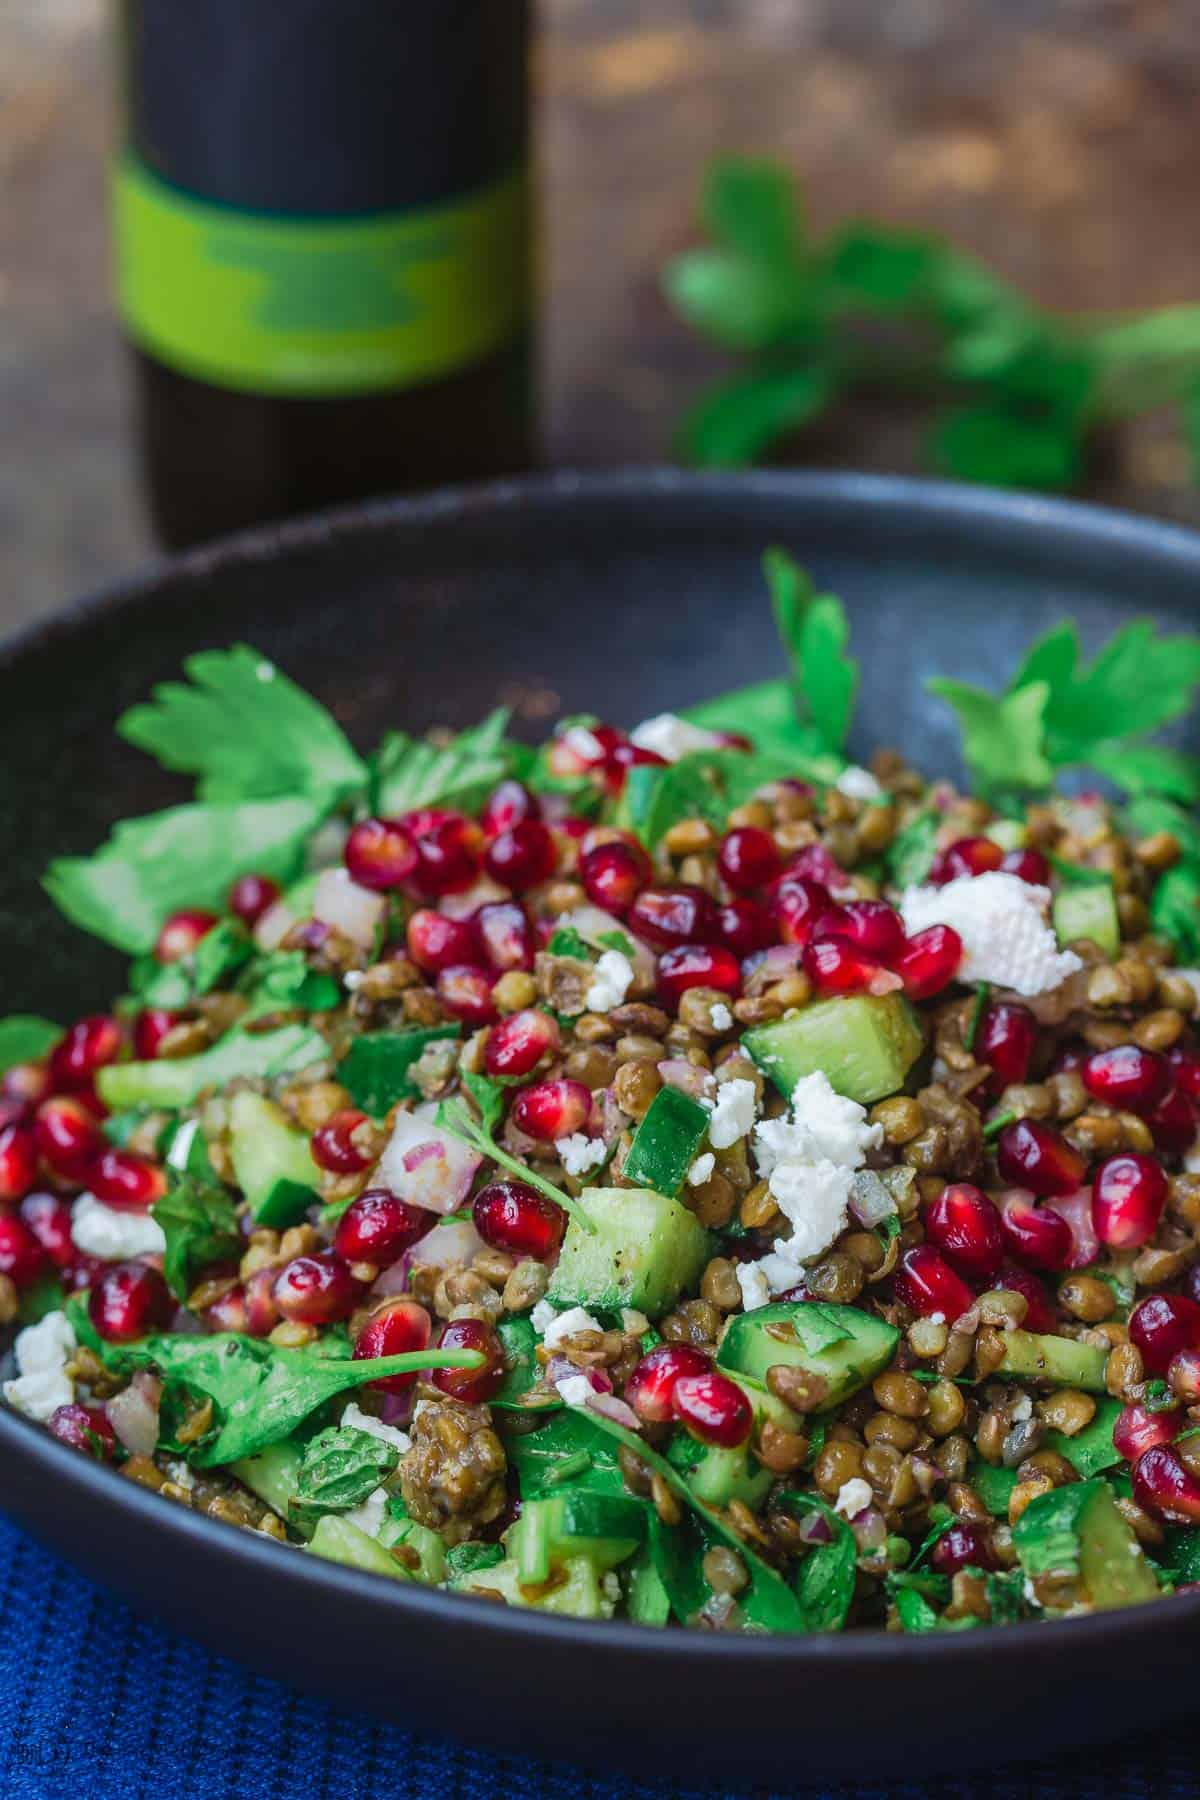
x=626 y=594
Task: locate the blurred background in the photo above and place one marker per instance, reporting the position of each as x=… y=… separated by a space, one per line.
x=1056 y=138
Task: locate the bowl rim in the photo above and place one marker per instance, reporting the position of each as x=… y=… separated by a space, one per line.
x=985 y=514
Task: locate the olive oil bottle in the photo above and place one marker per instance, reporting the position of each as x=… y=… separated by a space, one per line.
x=322 y=250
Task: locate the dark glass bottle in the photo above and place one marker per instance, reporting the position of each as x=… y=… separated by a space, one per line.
x=321 y=215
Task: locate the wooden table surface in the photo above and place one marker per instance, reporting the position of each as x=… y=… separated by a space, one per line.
x=1058 y=138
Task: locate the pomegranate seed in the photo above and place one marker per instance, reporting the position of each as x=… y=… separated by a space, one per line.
x=228 y=1312
x=22 y=1258
x=1183 y=1375
x=816 y=863
x=83 y=1273
x=614 y=874
x=1185 y=1067
x=697 y=965
x=1129 y=1192
x=251 y=896
x=1163 y=1324
x=713 y=1408
x=965 y=856
x=746 y=927
x=505 y=934
x=127 y=1182
x=380 y=854
x=798 y=904
x=512 y=1216
x=316 y=1290
x=523 y=856
x=1076 y=1209
x=1165 y=1488
x=182 y=932
x=48 y=1218
x=436 y=942
x=626 y=757
x=965 y=1226
x=18 y=1161
x=652 y=1382
x=836 y=966
x=518 y=1043
x=128 y=1300
x=929 y=961
x=262 y=1314
x=448 y=855
x=748 y=859
x=465 y=992
x=1036 y=1236
x=1006 y=1039
x=1032 y=1155
x=87 y=1046
x=666 y=916
x=963 y=1546
x=1173 y=1123
x=1137 y=1430
x=928 y=1285
x=508 y=805
x=1039 y=1313
x=378 y=1228
x=552 y=1109
x=25 y=1085
x=1027 y=865
x=150 y=1028
x=583 y=747
x=875 y=927
x=1128 y=1077
x=85 y=1428
x=334 y=1146
x=68 y=1136
x=397 y=1328
x=471 y=1386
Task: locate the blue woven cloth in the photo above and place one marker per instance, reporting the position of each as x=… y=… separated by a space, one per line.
x=95 y=1704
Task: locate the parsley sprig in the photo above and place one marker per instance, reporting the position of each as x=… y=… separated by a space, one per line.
x=1018 y=391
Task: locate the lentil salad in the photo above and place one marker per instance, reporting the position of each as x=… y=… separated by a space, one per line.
x=767 y=1179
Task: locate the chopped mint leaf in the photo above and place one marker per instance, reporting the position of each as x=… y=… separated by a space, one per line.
x=1003 y=738
x=911 y=852
x=246 y=732
x=219 y=954
x=200 y=1223
x=704 y=784
x=186 y=856
x=617 y=940
x=815 y=631
x=283 y=980
x=339 y=1468
x=26 y=1038
x=411 y=773
x=488 y=1095
x=566 y=941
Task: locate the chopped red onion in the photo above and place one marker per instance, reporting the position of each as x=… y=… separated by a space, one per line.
x=609 y=1407
x=815 y=1529
x=133 y=1413
x=357 y=911
x=677 y=1072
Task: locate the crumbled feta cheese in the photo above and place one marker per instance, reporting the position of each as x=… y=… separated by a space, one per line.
x=42 y=1352
x=574 y=1390
x=853 y=1498
x=113 y=1236
x=181 y=1475
x=808 y=1158
x=701 y=1169
x=355 y=1419
x=353 y=979
x=579 y=1153
x=634 y=1322
x=732 y=1113
x=567 y=1325
x=543 y=1316
x=754 y=1285
x=671 y=737
x=1022 y=1407
x=1002 y=922
x=371 y=1514
x=612 y=978
x=720 y=1017
x=858 y=784
x=822 y=1125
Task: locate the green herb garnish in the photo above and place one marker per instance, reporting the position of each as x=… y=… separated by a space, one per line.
x=200 y=1223
x=453 y=1117
x=26 y=1038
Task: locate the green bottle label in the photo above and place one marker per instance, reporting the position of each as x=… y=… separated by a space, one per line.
x=269 y=304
